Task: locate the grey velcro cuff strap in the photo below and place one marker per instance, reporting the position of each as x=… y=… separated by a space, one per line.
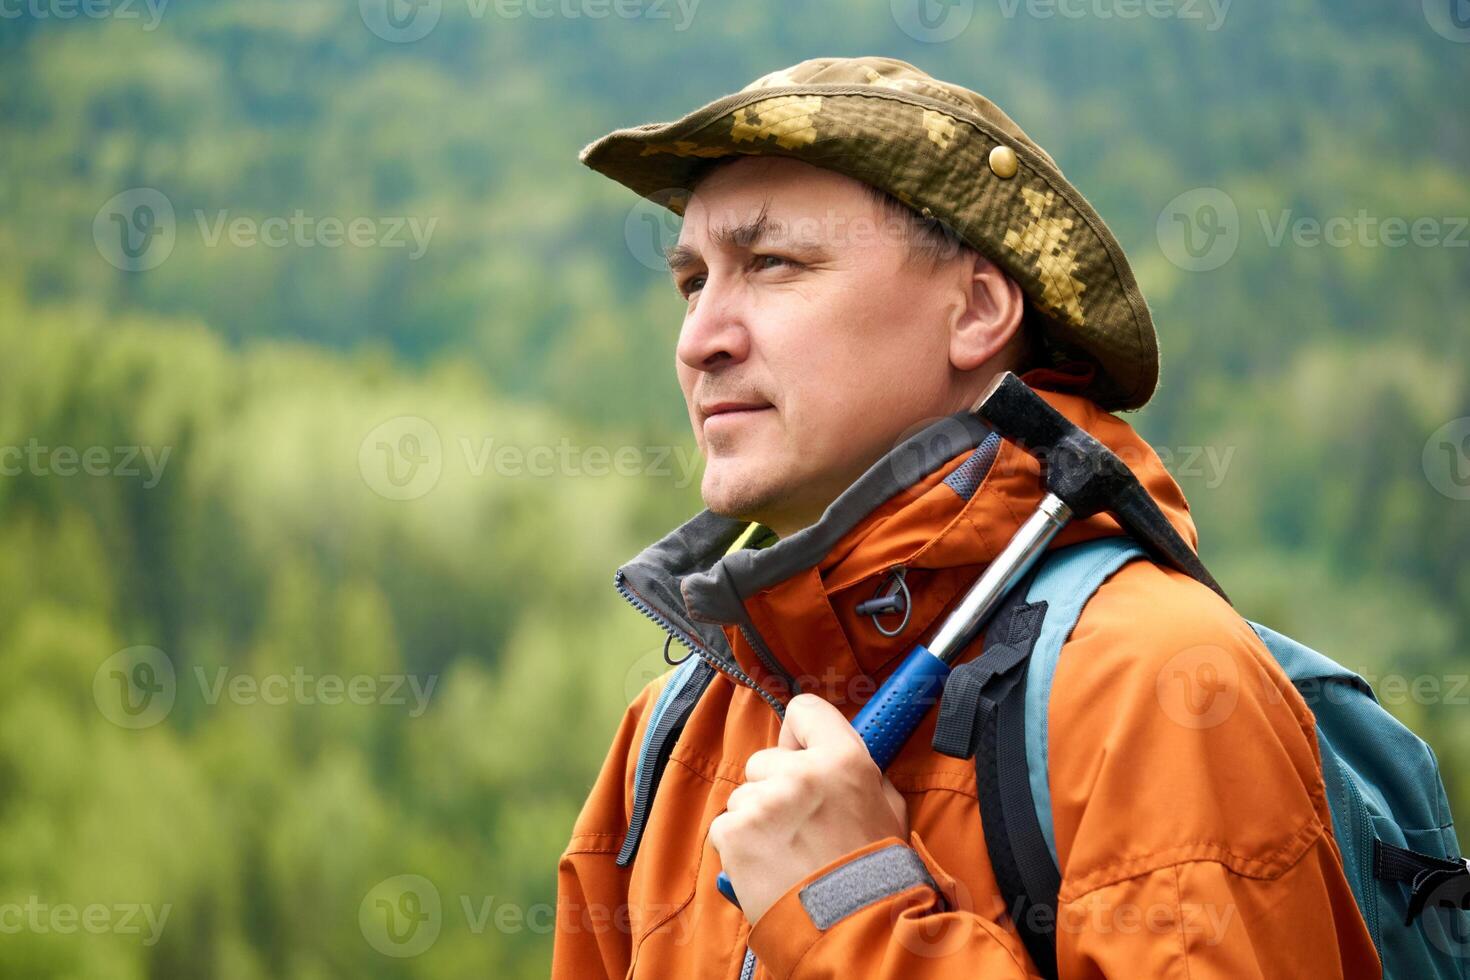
x=861 y=882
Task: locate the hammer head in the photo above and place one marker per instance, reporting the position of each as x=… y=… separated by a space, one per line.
x=1088 y=476
x=1085 y=474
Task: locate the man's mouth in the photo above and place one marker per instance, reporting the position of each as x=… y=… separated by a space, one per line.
x=732 y=413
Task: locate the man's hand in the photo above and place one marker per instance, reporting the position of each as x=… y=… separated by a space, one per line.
x=813 y=798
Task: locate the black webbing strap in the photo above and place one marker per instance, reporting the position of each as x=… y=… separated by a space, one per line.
x=1008 y=642
x=1446 y=881
x=983 y=713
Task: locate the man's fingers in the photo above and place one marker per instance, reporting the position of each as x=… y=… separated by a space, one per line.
x=718 y=827
x=768 y=762
x=811 y=722
x=738 y=797
x=898 y=805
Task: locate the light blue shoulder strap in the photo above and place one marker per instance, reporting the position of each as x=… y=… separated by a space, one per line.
x=680 y=677
x=1067 y=579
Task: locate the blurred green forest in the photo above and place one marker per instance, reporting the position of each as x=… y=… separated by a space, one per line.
x=1331 y=382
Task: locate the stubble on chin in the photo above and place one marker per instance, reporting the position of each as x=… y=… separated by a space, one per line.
x=733 y=491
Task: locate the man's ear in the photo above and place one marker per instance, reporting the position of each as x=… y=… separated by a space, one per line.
x=991 y=316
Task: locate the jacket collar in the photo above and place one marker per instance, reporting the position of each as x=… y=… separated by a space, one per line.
x=935 y=509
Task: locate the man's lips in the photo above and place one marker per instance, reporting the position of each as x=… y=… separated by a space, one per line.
x=718 y=408
x=732 y=410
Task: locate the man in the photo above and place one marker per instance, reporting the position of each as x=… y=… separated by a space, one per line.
x=863 y=249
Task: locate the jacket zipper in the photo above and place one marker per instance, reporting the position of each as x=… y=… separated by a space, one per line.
x=758 y=644
x=695 y=647
x=640 y=803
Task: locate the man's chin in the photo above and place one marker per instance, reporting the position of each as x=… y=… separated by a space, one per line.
x=742 y=491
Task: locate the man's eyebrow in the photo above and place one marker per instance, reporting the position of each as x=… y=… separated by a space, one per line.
x=743 y=235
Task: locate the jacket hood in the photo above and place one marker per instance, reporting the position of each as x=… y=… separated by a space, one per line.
x=924 y=519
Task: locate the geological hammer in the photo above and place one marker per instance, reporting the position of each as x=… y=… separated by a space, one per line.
x=1082 y=477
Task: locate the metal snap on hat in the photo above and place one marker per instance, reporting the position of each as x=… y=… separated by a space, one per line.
x=946 y=152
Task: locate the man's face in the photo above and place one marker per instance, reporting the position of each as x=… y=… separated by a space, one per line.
x=809 y=344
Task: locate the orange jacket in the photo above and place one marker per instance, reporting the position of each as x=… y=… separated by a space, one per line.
x=1187 y=849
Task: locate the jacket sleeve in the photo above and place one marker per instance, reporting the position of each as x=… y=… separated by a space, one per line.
x=1190 y=818
x=593 y=931
x=886 y=910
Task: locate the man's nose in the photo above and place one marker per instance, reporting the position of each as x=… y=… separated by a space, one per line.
x=714 y=332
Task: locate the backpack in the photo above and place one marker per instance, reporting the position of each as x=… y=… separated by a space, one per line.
x=1390 y=814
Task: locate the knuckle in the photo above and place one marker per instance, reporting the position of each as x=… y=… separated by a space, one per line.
x=848 y=760
x=759 y=764
x=738 y=798
x=719 y=831
x=806 y=778
x=803 y=704
x=791 y=792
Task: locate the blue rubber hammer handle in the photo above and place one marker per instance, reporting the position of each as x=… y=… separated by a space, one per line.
x=889 y=717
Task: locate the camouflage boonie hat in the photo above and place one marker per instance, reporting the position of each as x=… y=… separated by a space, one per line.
x=948 y=153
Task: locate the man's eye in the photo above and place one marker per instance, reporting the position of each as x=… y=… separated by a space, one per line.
x=694 y=283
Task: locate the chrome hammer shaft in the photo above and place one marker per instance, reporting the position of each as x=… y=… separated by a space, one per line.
x=999 y=577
